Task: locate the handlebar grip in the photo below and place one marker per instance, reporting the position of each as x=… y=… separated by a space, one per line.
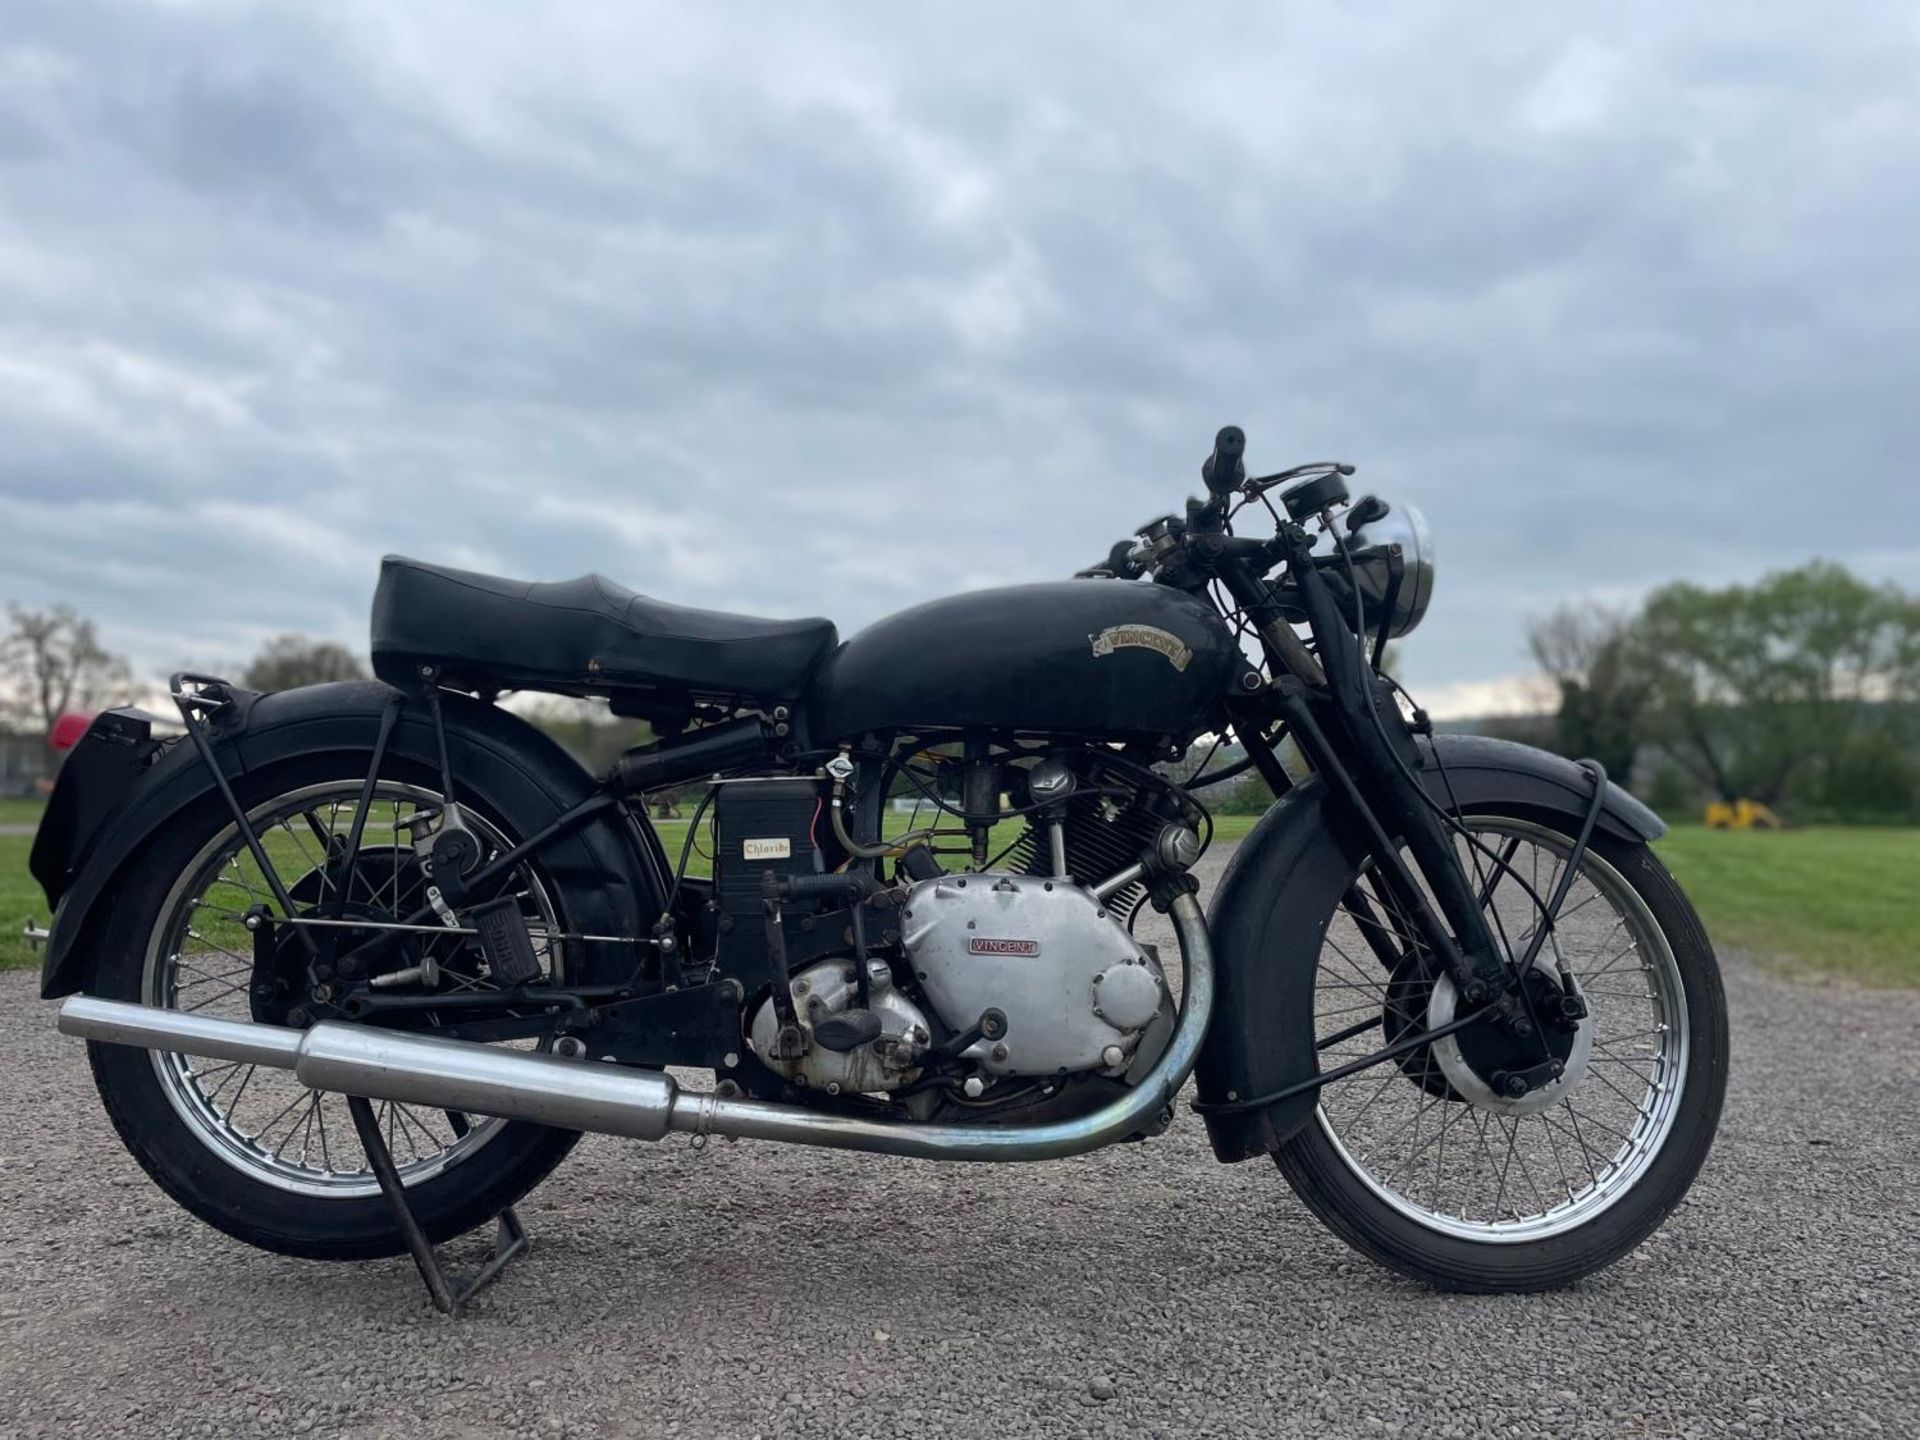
x=1121 y=562
x=1224 y=470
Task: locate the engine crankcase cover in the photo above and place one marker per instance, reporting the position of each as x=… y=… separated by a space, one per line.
x=827 y=989
x=1043 y=953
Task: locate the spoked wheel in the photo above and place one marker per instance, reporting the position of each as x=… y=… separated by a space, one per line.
x=1444 y=1165
x=250 y=1149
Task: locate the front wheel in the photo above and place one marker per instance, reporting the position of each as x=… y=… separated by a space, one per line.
x=1425 y=1166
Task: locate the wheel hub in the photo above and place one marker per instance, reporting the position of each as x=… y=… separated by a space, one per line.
x=1496 y=1070
x=290 y=985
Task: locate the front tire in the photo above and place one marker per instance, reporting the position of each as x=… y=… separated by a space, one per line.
x=293 y=1182
x=1524 y=1199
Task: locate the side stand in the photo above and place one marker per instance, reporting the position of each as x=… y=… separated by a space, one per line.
x=510 y=1236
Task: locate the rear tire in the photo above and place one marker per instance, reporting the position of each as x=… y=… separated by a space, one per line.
x=1424 y=1240
x=184 y=1159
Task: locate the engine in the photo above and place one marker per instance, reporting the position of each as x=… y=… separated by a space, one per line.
x=1073 y=990
x=1036 y=976
x=1016 y=974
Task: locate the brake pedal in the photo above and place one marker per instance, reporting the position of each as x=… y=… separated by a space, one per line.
x=505 y=942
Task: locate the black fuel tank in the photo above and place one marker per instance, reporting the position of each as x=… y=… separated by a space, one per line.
x=1081 y=657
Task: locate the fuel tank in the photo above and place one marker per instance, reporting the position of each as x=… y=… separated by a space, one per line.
x=1102 y=658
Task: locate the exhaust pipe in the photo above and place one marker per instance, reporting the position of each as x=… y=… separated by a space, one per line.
x=642 y=1105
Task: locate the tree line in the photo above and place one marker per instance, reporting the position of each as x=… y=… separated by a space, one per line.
x=53 y=663
x=1800 y=690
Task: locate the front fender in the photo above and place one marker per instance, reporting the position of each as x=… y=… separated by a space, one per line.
x=530 y=776
x=1269 y=918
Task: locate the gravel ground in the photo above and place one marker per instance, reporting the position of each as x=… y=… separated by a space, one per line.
x=758 y=1290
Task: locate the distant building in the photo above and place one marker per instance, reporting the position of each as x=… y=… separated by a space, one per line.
x=23 y=761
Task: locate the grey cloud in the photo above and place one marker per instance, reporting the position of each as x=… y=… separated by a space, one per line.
x=834 y=310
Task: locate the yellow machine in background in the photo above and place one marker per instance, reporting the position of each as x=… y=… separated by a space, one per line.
x=1742 y=815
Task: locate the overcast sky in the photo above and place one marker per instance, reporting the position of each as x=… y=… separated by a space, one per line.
x=831 y=309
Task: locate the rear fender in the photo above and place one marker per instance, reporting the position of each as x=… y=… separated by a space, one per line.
x=609 y=869
x=1269 y=918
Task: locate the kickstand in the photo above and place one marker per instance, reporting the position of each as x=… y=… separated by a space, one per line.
x=510 y=1236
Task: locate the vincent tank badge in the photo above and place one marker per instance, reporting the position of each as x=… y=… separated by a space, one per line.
x=1143 y=637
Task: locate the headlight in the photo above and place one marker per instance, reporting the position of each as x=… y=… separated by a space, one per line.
x=1396 y=576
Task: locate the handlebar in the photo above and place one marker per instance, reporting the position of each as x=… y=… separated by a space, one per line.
x=1173 y=545
x=1224 y=470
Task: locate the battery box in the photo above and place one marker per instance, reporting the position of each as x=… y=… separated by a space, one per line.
x=763 y=824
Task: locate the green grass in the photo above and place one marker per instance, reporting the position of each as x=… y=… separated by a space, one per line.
x=1831 y=901
x=1233 y=827
x=16 y=811
x=20 y=899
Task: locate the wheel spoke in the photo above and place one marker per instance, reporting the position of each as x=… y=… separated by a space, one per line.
x=238 y=959
x=1505 y=1169
x=1526 y=1173
x=326 y=1158
x=207 y=978
x=1558 y=1163
x=1639 y=1104
x=1500 y=872
x=1384 y=1085
x=1453 y=1113
x=262 y=1132
x=1587 y=1152
x=219 y=995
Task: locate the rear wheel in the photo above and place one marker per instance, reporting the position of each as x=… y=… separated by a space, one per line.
x=1427 y=1166
x=249 y=1149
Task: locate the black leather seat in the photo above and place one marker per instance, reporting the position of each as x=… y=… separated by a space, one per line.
x=580 y=636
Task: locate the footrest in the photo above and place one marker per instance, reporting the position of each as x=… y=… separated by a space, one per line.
x=510 y=1238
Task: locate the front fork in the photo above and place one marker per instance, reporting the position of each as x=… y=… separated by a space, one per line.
x=1378 y=792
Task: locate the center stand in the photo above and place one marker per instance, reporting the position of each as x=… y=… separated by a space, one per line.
x=510 y=1236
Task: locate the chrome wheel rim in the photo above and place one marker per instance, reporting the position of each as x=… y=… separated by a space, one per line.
x=263 y=1122
x=1472 y=1173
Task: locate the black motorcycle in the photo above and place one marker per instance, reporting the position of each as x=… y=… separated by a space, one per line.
x=358 y=962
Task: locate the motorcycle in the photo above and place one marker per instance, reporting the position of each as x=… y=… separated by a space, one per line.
x=357 y=963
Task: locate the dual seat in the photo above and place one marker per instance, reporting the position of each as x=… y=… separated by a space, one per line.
x=584 y=635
